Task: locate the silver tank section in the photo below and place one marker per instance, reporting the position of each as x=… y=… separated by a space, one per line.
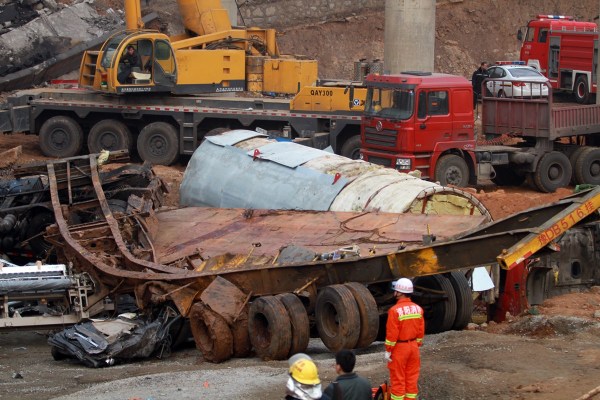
x=245 y=169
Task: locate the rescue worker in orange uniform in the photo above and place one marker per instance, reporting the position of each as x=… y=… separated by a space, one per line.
x=404 y=333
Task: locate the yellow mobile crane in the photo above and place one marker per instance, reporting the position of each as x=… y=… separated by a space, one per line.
x=212 y=56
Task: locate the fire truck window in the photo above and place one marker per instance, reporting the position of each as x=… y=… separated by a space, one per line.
x=437 y=103
x=529 y=35
x=543 y=35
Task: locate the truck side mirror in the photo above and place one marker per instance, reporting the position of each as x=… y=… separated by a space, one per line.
x=519 y=35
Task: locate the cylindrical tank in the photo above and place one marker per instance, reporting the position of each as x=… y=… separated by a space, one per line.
x=245 y=169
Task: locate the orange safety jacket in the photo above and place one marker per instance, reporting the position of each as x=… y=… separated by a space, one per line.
x=405 y=323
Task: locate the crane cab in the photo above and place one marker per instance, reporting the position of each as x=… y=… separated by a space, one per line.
x=131 y=62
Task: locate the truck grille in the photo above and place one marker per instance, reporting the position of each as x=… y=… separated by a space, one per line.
x=385 y=138
x=386 y=162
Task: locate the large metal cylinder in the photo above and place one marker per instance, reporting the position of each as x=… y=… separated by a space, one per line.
x=244 y=169
x=204 y=17
x=409 y=39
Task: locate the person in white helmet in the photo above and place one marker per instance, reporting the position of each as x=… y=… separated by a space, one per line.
x=404 y=334
x=304 y=382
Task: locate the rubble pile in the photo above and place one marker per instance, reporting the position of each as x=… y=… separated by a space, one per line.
x=34 y=31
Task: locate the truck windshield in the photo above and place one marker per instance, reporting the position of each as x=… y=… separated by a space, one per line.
x=110 y=49
x=390 y=103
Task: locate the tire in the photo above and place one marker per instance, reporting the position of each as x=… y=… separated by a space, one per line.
x=452 y=170
x=573 y=160
x=464 y=299
x=158 y=143
x=587 y=166
x=37 y=225
x=270 y=328
x=553 y=171
x=506 y=176
x=439 y=315
x=337 y=318
x=351 y=148
x=581 y=90
x=211 y=333
x=61 y=137
x=369 y=314
x=241 y=339
x=299 y=321
x=111 y=135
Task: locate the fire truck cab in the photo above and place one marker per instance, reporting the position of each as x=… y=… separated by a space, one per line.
x=563 y=50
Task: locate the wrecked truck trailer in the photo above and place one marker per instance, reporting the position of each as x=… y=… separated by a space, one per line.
x=239 y=296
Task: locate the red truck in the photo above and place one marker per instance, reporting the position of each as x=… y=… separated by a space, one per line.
x=563 y=50
x=425 y=121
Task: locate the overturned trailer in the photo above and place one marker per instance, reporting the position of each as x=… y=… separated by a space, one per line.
x=235 y=276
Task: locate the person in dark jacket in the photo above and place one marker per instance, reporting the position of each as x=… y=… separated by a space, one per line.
x=477 y=79
x=348 y=385
x=130 y=60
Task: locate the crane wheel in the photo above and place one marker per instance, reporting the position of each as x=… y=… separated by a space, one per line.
x=211 y=333
x=270 y=328
x=61 y=137
x=452 y=170
x=299 y=321
x=440 y=313
x=158 y=143
x=464 y=299
x=369 y=314
x=573 y=161
x=111 y=135
x=337 y=318
x=581 y=90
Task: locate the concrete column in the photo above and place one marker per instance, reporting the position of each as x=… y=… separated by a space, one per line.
x=409 y=35
x=232 y=10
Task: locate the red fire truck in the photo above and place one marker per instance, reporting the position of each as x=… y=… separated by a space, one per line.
x=565 y=51
x=419 y=121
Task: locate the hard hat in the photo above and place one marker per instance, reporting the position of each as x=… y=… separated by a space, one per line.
x=403 y=285
x=305 y=372
x=298 y=356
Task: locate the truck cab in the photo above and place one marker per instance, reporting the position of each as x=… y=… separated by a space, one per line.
x=421 y=121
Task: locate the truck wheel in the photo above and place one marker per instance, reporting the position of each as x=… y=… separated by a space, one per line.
x=464 y=299
x=587 y=166
x=351 y=149
x=506 y=176
x=270 y=328
x=299 y=321
x=111 y=135
x=440 y=314
x=158 y=143
x=452 y=170
x=369 y=314
x=337 y=318
x=581 y=90
x=573 y=160
x=553 y=171
x=61 y=137
x=211 y=333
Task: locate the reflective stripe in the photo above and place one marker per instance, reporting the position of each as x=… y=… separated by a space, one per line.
x=409 y=316
x=411 y=395
x=388 y=343
x=419 y=340
x=394 y=397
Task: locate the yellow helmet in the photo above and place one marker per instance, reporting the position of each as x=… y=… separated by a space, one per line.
x=305 y=372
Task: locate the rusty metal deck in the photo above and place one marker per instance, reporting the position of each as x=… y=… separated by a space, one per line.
x=213 y=231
